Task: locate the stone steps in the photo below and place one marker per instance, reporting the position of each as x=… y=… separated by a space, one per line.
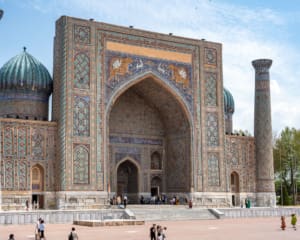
x=169 y=212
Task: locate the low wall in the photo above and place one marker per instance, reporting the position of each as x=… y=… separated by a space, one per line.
x=56 y=216
x=259 y=212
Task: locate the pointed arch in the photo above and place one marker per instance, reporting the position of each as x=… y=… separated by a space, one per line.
x=37 y=178
x=234 y=182
x=148 y=75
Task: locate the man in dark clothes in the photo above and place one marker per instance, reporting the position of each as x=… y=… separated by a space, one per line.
x=153 y=232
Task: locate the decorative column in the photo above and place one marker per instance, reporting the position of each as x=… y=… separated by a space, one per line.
x=265 y=189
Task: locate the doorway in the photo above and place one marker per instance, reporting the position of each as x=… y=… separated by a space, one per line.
x=127 y=181
x=37 y=187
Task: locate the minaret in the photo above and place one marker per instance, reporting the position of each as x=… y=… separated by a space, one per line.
x=265 y=189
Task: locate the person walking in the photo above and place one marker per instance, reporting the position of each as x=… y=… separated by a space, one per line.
x=37 y=229
x=42 y=230
x=73 y=234
x=125 y=201
x=294 y=221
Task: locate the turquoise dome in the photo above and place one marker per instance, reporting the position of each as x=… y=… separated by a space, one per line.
x=24 y=72
x=228 y=101
x=25 y=87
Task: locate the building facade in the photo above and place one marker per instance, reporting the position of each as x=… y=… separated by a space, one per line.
x=134 y=113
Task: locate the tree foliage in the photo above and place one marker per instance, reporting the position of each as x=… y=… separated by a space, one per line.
x=286 y=153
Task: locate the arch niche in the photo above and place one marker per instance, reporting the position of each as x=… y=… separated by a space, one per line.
x=127 y=180
x=235 y=188
x=37 y=186
x=146 y=114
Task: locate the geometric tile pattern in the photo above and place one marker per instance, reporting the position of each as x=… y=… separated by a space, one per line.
x=81 y=165
x=212 y=130
x=8 y=141
x=22 y=144
x=22 y=173
x=81 y=116
x=210 y=56
x=81 y=71
x=9 y=175
x=37 y=145
x=210 y=89
x=82 y=34
x=213 y=169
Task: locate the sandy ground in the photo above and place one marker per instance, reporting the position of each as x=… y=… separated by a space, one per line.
x=242 y=228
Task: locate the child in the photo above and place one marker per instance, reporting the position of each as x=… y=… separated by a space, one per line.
x=294 y=221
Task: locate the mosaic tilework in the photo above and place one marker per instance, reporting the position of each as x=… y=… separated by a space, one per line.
x=177 y=168
x=8 y=141
x=213 y=169
x=123 y=152
x=81 y=164
x=82 y=71
x=9 y=175
x=135 y=140
x=210 y=89
x=81 y=116
x=121 y=67
x=212 y=130
x=22 y=173
x=22 y=143
x=37 y=144
x=82 y=34
x=234 y=153
x=210 y=56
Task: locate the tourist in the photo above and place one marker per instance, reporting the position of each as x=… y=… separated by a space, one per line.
x=27 y=205
x=159 y=236
x=142 y=200
x=164 y=232
x=294 y=221
x=125 y=201
x=153 y=232
x=11 y=237
x=73 y=235
x=42 y=229
x=118 y=201
x=37 y=228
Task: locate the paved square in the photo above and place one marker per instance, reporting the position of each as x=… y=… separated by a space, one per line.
x=242 y=228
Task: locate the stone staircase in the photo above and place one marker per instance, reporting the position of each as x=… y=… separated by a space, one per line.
x=150 y=212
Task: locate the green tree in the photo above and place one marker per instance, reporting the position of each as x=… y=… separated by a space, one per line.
x=287 y=159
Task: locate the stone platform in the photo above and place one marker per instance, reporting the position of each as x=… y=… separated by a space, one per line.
x=111 y=222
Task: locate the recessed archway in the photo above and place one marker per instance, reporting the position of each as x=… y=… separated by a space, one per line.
x=127 y=181
x=149 y=116
x=37 y=186
x=235 y=188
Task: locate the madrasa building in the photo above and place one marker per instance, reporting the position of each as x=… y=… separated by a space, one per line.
x=134 y=113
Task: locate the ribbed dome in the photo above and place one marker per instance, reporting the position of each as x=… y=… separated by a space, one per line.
x=24 y=72
x=25 y=87
x=228 y=101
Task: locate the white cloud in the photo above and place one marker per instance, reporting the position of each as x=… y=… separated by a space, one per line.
x=246 y=34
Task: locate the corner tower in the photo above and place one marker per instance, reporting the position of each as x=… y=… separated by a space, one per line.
x=263 y=134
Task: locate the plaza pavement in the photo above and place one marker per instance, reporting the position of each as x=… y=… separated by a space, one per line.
x=240 y=228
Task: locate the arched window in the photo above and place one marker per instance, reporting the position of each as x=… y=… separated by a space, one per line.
x=156 y=161
x=37 y=178
x=234 y=182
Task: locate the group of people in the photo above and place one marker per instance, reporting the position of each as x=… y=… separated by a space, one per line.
x=293 y=222
x=157 y=232
x=119 y=200
x=40 y=232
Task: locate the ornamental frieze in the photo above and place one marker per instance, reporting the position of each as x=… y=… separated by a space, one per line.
x=122 y=67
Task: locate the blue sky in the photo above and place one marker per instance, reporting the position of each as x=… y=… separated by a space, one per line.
x=248 y=29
